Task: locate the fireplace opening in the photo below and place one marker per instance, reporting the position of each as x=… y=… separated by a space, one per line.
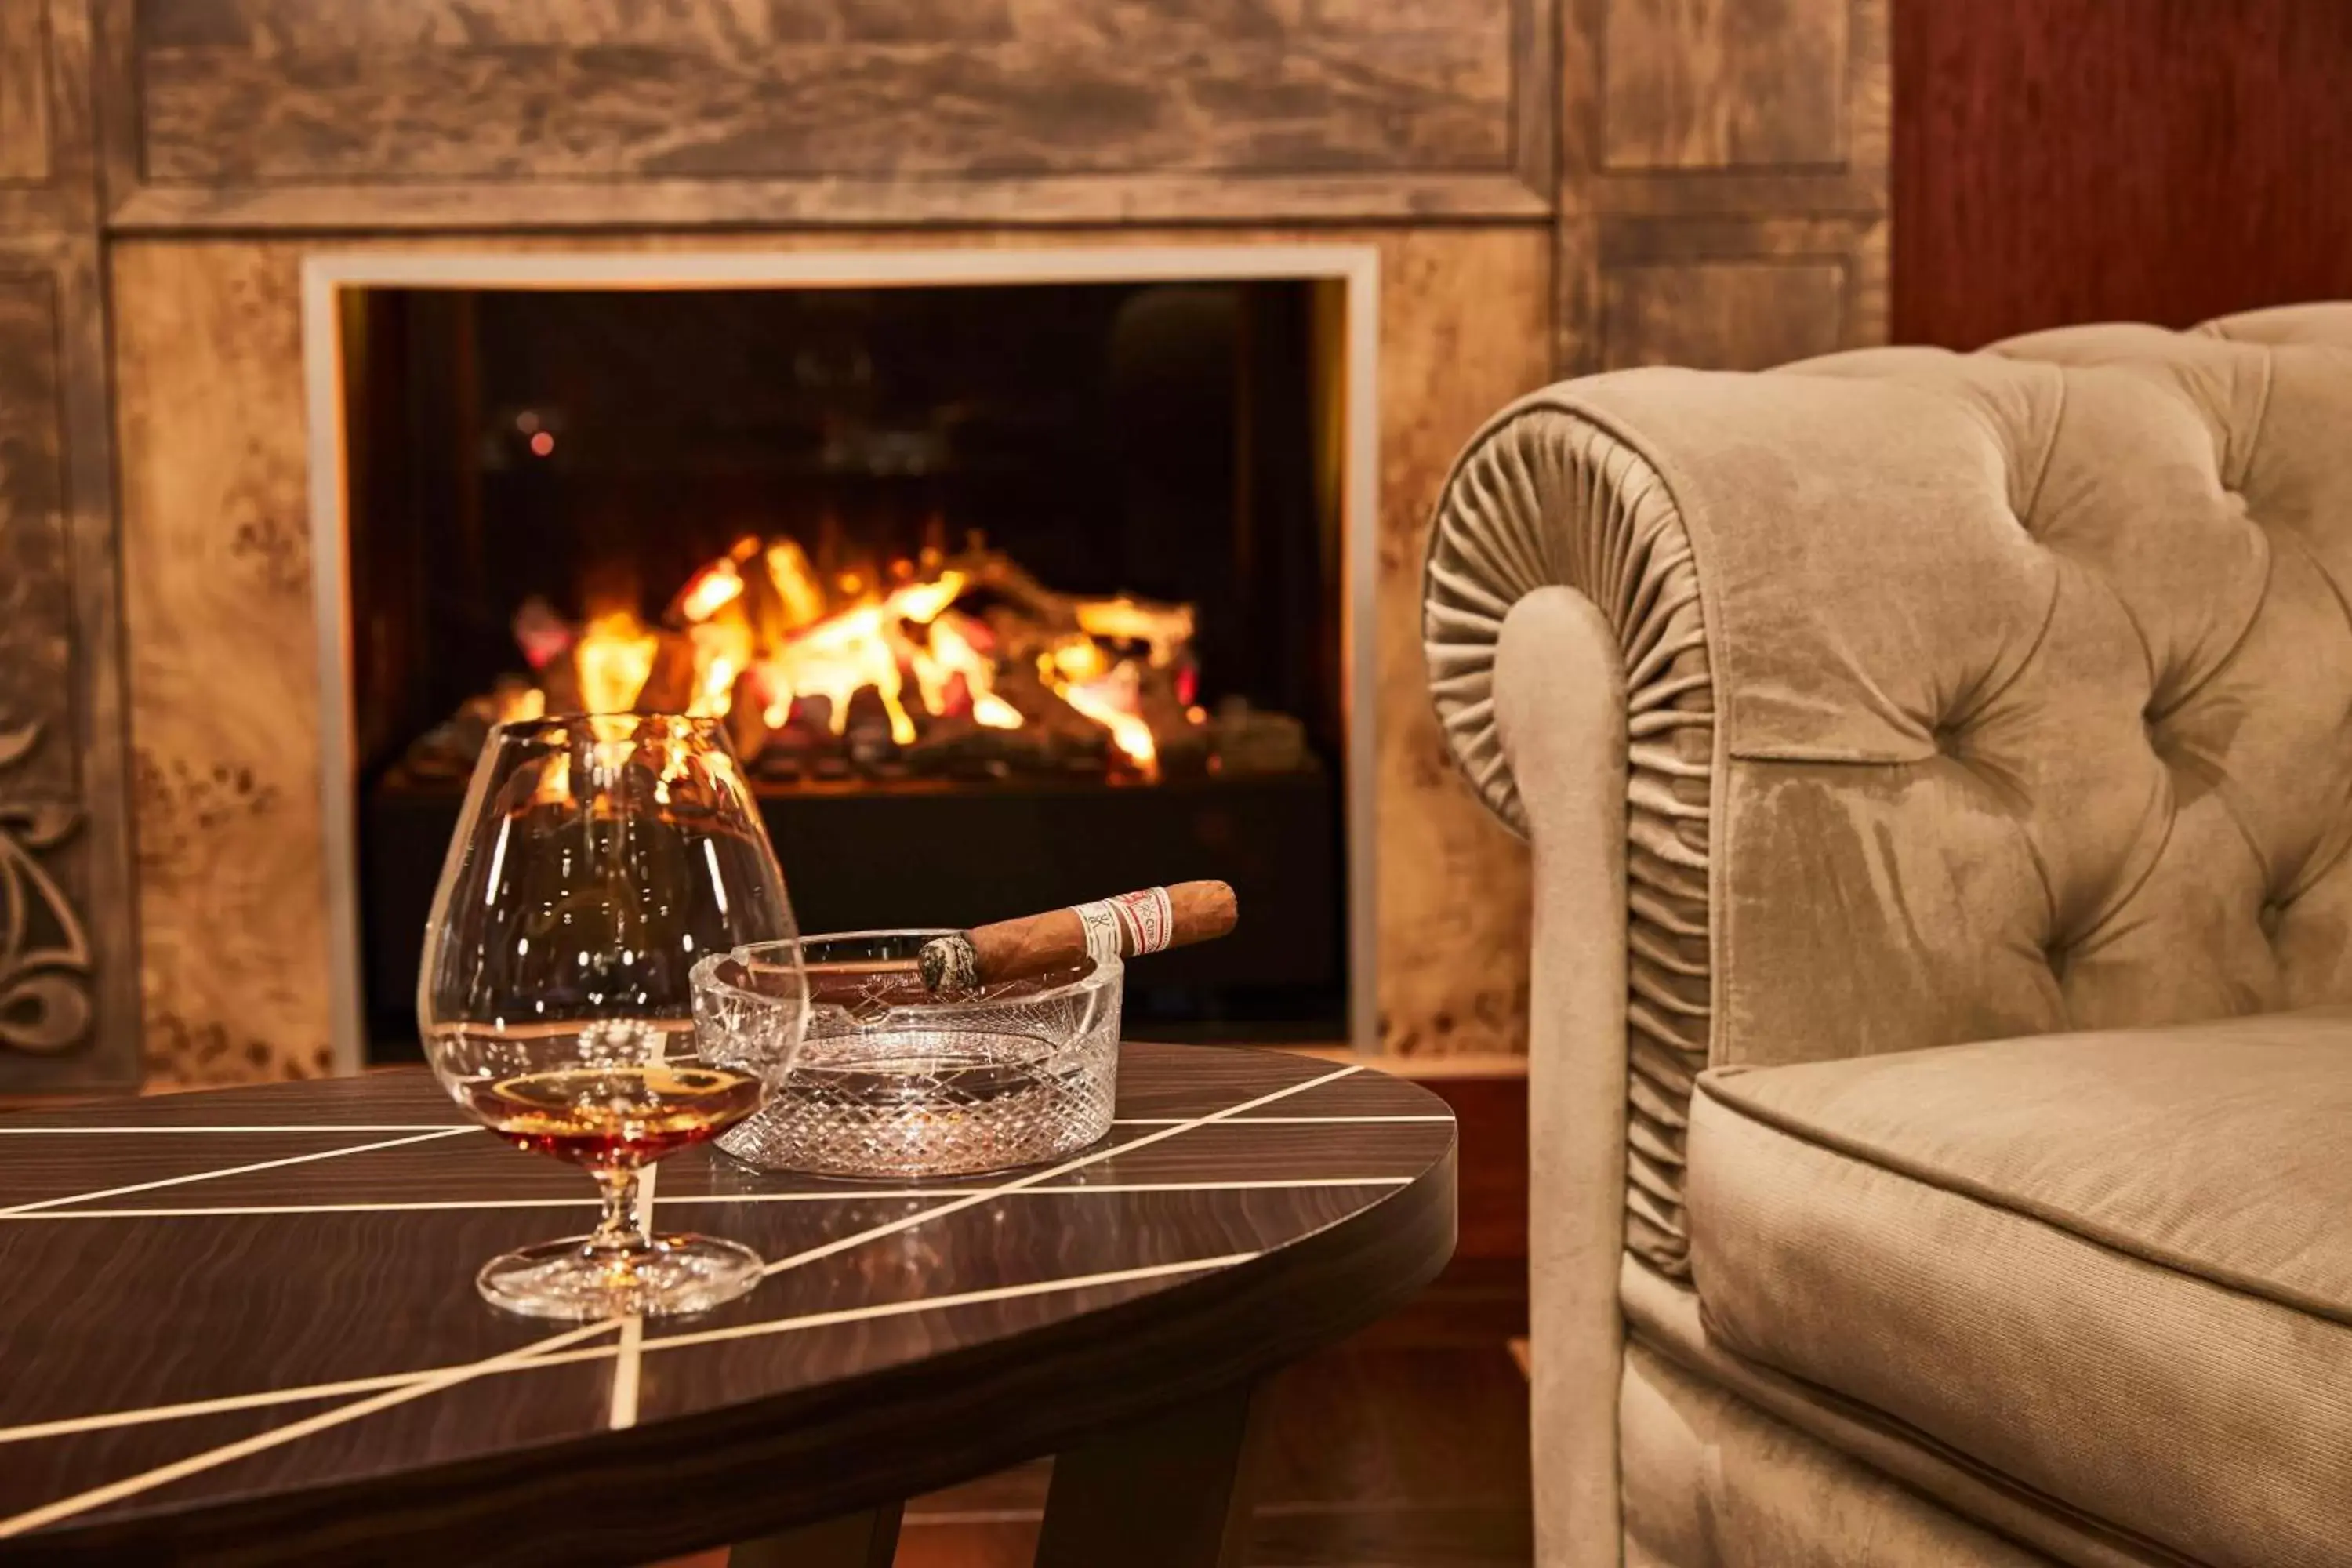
x=1009 y=595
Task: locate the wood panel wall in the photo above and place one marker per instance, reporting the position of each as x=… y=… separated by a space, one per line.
x=1722 y=181
x=67 y=1003
x=1555 y=185
x=2169 y=161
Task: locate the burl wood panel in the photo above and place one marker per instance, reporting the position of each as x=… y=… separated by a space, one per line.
x=67 y=1005
x=923 y=108
x=1713 y=84
x=222 y=660
x=225 y=703
x=2062 y=161
x=1722 y=181
x=1462 y=334
x=23 y=93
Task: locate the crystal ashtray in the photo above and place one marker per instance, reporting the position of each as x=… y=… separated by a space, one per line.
x=892 y=1082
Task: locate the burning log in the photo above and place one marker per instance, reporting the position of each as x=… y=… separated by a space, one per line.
x=747 y=715
x=1047 y=616
x=963 y=666
x=1247 y=740
x=1182 y=743
x=671 y=683
x=868 y=729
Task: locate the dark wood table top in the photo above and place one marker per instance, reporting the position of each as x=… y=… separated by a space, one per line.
x=242 y=1326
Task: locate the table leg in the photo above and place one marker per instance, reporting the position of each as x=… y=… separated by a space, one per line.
x=865 y=1539
x=1169 y=1491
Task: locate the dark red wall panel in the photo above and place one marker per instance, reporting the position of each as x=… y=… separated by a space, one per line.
x=2061 y=161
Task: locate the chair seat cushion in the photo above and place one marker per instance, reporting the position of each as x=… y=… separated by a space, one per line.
x=2115 y=1267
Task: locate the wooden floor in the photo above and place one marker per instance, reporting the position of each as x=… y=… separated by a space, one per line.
x=1403 y=1447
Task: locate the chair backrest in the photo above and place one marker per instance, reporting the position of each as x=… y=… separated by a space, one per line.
x=2002 y=693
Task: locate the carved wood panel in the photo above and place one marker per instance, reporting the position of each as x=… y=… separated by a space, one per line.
x=35 y=603
x=67 y=1001
x=495 y=112
x=1723 y=181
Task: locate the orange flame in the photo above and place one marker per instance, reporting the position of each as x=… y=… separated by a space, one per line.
x=864 y=646
x=1077 y=671
x=715 y=584
x=951 y=651
x=795 y=583
x=992 y=712
x=723 y=650
x=763 y=623
x=615 y=658
x=516 y=703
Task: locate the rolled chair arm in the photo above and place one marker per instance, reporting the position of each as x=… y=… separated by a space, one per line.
x=1547 y=494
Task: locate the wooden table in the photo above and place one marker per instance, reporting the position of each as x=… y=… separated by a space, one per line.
x=241 y=1325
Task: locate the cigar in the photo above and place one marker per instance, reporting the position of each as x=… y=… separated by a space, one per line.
x=1150 y=920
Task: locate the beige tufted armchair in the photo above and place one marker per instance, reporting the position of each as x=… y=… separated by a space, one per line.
x=1938 y=770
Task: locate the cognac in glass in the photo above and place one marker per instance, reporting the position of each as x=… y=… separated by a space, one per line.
x=598 y=860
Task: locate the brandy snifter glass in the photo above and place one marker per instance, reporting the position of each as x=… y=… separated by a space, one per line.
x=599 y=860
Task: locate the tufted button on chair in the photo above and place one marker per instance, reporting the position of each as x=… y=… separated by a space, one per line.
x=1938 y=770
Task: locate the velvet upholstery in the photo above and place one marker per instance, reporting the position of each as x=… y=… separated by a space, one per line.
x=1559 y=702
x=1662 y=1317
x=1714 y=1483
x=1545 y=497
x=1966 y=698
x=2037 y=664
x=2113 y=1265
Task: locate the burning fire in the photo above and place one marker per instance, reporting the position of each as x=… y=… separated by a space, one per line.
x=1076 y=670
x=615 y=656
x=762 y=638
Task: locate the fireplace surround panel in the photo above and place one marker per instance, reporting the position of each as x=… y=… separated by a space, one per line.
x=1052 y=457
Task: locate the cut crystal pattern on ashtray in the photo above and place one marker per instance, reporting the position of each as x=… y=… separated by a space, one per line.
x=893 y=1082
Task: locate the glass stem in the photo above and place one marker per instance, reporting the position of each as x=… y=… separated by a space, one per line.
x=622 y=1227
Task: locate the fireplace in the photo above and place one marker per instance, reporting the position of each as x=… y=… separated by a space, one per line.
x=1017 y=580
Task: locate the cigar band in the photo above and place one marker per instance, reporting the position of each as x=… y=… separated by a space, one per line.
x=1100 y=922
x=1150 y=919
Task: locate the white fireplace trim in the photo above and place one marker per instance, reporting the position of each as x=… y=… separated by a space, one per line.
x=323 y=275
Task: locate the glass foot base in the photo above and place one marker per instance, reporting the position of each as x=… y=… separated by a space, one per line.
x=574 y=1280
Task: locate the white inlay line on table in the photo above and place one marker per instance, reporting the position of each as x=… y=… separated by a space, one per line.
x=40 y=1203
x=626 y=1366
x=534 y=1357
x=899 y=1195
x=8 y=1132
x=1281 y=1121
x=553 y=1350
x=179 y=1469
